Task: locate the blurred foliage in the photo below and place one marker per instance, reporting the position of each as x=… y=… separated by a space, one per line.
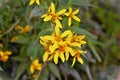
x=100 y=22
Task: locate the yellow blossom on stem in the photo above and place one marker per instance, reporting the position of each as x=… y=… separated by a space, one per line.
x=79 y=39
x=14 y=38
x=35 y=66
x=4 y=55
x=23 y=30
x=72 y=15
x=33 y=1
x=78 y=56
x=54 y=16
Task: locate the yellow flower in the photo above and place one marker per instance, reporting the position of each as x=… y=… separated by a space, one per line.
x=47 y=53
x=23 y=30
x=61 y=51
x=33 y=1
x=78 y=39
x=14 y=38
x=35 y=66
x=48 y=15
x=71 y=15
x=26 y=29
x=78 y=56
x=54 y=16
x=4 y=55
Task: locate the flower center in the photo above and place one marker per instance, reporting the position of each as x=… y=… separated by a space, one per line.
x=70 y=15
x=61 y=48
x=58 y=38
x=54 y=16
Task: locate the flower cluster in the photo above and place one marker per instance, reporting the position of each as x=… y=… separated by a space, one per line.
x=35 y=66
x=63 y=45
x=58 y=44
x=4 y=55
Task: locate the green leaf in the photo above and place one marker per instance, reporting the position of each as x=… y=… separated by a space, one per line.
x=23 y=39
x=94 y=51
x=53 y=68
x=81 y=3
x=45 y=74
x=65 y=22
x=37 y=11
x=19 y=58
x=35 y=50
x=20 y=70
x=82 y=31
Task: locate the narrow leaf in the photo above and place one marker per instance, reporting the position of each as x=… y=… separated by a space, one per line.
x=94 y=51
x=81 y=3
x=20 y=70
x=82 y=31
x=53 y=68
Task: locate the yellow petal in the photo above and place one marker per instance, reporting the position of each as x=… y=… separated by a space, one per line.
x=76 y=18
x=32 y=69
x=51 y=38
x=74 y=59
x=83 y=42
x=69 y=21
x=67 y=14
x=36 y=61
x=80 y=60
x=57 y=30
x=52 y=8
x=75 y=12
x=61 y=12
x=81 y=51
x=43 y=43
x=1 y=53
x=47 y=18
x=71 y=51
x=48 y=9
x=51 y=57
x=75 y=44
x=7 y=52
x=53 y=48
x=69 y=38
x=58 y=24
x=38 y=2
x=31 y=2
x=45 y=56
x=39 y=67
x=62 y=57
x=70 y=10
x=67 y=56
x=56 y=57
x=60 y=18
x=44 y=39
x=44 y=15
x=64 y=34
x=5 y=58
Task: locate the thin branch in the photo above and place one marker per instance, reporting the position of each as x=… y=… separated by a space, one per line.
x=40 y=71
